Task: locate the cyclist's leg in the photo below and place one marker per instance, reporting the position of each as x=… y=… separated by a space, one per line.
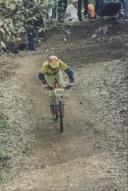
x=52 y=106
x=50 y=80
x=60 y=79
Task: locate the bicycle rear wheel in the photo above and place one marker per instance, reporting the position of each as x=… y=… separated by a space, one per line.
x=61 y=115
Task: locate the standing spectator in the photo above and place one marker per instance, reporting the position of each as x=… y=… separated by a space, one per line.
x=59 y=10
x=85 y=3
x=126 y=8
x=123 y=4
x=31 y=38
x=121 y=11
x=62 y=6
x=98 y=7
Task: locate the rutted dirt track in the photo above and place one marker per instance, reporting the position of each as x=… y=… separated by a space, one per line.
x=91 y=153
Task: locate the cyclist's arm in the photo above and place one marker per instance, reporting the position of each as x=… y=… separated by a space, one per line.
x=68 y=70
x=42 y=73
x=42 y=78
x=63 y=66
x=70 y=74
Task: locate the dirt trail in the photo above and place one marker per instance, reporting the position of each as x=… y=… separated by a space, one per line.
x=91 y=153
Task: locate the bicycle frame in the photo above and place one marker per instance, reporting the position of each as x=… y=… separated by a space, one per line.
x=58 y=104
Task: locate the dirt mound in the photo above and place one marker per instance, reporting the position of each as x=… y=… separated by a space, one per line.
x=96 y=41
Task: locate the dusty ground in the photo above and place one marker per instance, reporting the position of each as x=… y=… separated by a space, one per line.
x=91 y=153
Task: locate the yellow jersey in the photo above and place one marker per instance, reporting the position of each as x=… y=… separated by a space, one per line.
x=47 y=70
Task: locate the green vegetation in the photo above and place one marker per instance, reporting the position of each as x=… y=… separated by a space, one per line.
x=15 y=15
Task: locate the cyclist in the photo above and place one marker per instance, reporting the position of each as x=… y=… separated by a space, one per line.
x=51 y=71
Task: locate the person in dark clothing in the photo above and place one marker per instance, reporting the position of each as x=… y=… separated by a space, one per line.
x=101 y=5
x=59 y=10
x=98 y=7
x=122 y=1
x=85 y=3
x=62 y=6
x=122 y=9
x=126 y=8
x=32 y=38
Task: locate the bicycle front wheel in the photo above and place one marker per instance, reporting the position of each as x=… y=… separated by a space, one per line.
x=56 y=111
x=61 y=115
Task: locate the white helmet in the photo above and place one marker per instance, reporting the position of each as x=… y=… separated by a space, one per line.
x=53 y=57
x=53 y=61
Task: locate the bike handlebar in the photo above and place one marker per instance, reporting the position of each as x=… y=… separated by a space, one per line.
x=69 y=86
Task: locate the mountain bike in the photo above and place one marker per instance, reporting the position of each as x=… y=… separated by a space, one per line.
x=58 y=104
